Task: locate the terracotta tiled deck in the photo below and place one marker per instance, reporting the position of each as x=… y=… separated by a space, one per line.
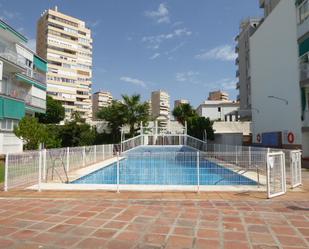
x=154 y=220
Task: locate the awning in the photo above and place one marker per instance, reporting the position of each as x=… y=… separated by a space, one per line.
x=11 y=108
x=30 y=81
x=40 y=63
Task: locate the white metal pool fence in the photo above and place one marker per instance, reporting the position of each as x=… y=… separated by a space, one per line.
x=30 y=167
x=271 y=168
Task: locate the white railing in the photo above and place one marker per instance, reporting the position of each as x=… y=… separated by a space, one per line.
x=30 y=167
x=304 y=71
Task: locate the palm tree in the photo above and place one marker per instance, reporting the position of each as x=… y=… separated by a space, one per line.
x=135 y=112
x=183 y=112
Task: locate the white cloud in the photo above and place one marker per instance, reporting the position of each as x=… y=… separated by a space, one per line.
x=133 y=81
x=155 y=41
x=154 y=56
x=224 y=84
x=189 y=76
x=161 y=15
x=32 y=44
x=223 y=53
x=9 y=15
x=93 y=24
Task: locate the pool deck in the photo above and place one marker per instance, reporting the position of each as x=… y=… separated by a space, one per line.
x=100 y=219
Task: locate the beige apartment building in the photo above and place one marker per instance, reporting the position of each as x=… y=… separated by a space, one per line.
x=218 y=95
x=179 y=102
x=100 y=99
x=66 y=43
x=160 y=107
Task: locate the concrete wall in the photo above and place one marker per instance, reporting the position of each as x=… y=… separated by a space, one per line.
x=275 y=71
x=212 y=112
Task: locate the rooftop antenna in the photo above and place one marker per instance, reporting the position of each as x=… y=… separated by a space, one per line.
x=56 y=8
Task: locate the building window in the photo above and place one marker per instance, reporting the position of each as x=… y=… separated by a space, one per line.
x=303 y=11
x=8 y=124
x=219 y=109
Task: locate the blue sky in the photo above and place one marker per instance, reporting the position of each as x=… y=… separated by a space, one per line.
x=181 y=46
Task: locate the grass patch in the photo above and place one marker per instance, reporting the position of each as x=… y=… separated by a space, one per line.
x=1 y=172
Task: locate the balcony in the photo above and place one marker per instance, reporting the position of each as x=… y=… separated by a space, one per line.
x=12 y=56
x=237 y=49
x=237 y=73
x=306 y=119
x=304 y=71
x=35 y=101
x=237 y=61
x=237 y=85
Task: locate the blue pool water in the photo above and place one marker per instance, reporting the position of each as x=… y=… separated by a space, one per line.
x=168 y=165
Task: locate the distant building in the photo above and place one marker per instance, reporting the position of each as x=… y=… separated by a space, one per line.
x=160 y=107
x=218 y=95
x=22 y=85
x=100 y=99
x=247 y=29
x=217 y=110
x=179 y=102
x=66 y=43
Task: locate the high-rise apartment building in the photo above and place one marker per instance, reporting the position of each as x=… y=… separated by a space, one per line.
x=303 y=53
x=218 y=95
x=100 y=99
x=66 y=43
x=275 y=77
x=247 y=29
x=160 y=107
x=22 y=85
x=179 y=102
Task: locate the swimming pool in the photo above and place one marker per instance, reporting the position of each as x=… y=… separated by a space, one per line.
x=165 y=165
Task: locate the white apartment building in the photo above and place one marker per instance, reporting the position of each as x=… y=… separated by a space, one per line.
x=160 y=107
x=66 y=43
x=100 y=99
x=218 y=110
x=22 y=85
x=247 y=29
x=275 y=78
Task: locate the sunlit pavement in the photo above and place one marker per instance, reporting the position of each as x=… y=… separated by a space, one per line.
x=154 y=220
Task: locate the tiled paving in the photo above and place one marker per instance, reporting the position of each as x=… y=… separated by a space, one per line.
x=235 y=224
x=154 y=220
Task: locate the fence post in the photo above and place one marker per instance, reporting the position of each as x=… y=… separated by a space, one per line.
x=236 y=152
x=84 y=156
x=198 y=170
x=103 y=151
x=6 y=172
x=249 y=155
x=68 y=160
x=95 y=153
x=44 y=164
x=118 y=172
x=40 y=170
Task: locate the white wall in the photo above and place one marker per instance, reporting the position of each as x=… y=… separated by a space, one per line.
x=36 y=92
x=9 y=143
x=212 y=112
x=274 y=71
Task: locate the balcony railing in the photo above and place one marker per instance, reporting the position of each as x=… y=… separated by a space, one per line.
x=11 y=56
x=304 y=71
x=35 y=101
x=306 y=119
x=39 y=77
x=237 y=85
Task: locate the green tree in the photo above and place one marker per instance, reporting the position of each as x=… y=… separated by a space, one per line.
x=135 y=112
x=198 y=125
x=114 y=114
x=31 y=132
x=54 y=112
x=131 y=112
x=183 y=112
x=76 y=133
